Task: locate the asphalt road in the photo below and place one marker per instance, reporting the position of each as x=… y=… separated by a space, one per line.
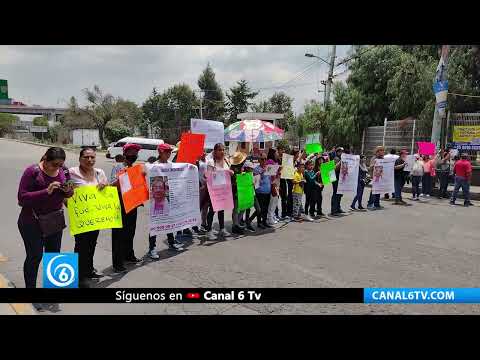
x=428 y=244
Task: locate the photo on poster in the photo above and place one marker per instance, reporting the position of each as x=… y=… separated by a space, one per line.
x=159 y=195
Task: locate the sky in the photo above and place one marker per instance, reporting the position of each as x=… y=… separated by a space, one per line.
x=50 y=75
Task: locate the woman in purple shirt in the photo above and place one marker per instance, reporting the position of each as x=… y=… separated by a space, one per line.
x=42 y=190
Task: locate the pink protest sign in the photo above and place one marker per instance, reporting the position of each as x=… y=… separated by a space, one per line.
x=220 y=190
x=426 y=148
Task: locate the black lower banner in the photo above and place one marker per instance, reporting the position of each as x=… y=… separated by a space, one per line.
x=183 y=295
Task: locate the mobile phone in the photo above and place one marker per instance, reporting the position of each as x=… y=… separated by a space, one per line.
x=67 y=184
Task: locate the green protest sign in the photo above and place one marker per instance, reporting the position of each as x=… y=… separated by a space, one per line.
x=327 y=170
x=313 y=148
x=245 y=191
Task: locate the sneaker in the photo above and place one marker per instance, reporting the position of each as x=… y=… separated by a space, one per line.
x=132 y=260
x=237 y=230
x=152 y=254
x=268 y=226
x=427 y=195
x=298 y=220
x=353 y=208
x=211 y=236
x=341 y=211
x=120 y=270
x=308 y=218
x=360 y=207
x=175 y=247
x=261 y=226
x=271 y=223
x=250 y=228
x=452 y=203
x=223 y=233
x=242 y=224
x=187 y=232
x=95 y=275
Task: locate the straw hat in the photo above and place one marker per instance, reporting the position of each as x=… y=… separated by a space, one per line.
x=379 y=148
x=238 y=158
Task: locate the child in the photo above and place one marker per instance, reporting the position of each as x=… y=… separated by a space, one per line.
x=256 y=204
x=263 y=192
x=237 y=162
x=119 y=159
x=319 y=185
x=298 y=185
x=310 y=178
x=362 y=181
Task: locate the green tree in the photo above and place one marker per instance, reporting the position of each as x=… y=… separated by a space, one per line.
x=40 y=121
x=279 y=103
x=239 y=100
x=117 y=129
x=170 y=112
x=7 y=121
x=213 y=104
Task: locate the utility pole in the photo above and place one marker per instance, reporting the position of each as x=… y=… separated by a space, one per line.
x=440 y=86
x=330 y=74
x=201 y=111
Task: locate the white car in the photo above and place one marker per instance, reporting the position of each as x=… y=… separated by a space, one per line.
x=149 y=148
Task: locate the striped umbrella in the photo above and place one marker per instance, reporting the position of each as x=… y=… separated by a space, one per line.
x=253 y=131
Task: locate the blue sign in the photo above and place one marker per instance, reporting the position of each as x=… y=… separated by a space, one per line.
x=440 y=88
x=60 y=270
x=466 y=146
x=421 y=295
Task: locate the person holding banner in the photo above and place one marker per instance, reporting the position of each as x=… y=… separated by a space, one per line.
x=443 y=171
x=310 y=191
x=399 y=177
x=318 y=190
x=122 y=238
x=298 y=186
x=416 y=175
x=160 y=194
x=337 y=198
x=263 y=192
x=427 y=178
x=237 y=161
x=362 y=181
x=374 y=200
x=41 y=194
x=286 y=187
x=85 y=243
x=272 y=159
x=217 y=162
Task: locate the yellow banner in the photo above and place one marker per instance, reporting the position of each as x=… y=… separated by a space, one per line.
x=466 y=133
x=91 y=209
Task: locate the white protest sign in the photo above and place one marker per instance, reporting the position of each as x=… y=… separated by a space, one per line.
x=383 y=175
x=409 y=163
x=272 y=170
x=348 y=181
x=174 y=197
x=214 y=131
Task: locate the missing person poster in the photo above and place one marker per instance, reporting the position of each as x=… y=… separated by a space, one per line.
x=383 y=176
x=174 y=197
x=348 y=181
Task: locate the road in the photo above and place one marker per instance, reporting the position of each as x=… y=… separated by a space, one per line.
x=429 y=244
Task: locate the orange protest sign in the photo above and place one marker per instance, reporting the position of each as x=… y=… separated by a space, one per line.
x=191 y=148
x=133 y=187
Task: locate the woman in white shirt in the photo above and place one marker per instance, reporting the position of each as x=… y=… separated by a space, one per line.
x=215 y=163
x=85 y=243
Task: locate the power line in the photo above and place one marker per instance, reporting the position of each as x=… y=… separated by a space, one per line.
x=356 y=56
x=463 y=95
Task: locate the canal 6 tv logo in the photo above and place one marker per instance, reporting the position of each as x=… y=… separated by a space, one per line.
x=60 y=270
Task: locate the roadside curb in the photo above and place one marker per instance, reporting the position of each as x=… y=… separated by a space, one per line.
x=19 y=309
x=436 y=192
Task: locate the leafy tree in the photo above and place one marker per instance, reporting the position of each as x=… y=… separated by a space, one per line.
x=213 y=104
x=238 y=100
x=6 y=123
x=40 y=121
x=170 y=112
x=117 y=129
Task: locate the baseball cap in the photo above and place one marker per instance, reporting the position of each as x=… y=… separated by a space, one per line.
x=164 y=147
x=131 y=147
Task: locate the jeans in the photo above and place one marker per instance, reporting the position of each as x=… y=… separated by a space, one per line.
x=286 y=189
x=35 y=245
x=407 y=177
x=256 y=214
x=336 y=199
x=461 y=182
x=271 y=208
x=373 y=200
x=264 y=201
x=85 y=248
x=310 y=200
x=427 y=184
x=443 y=177
x=399 y=182
x=122 y=238
x=220 y=215
x=359 y=196
x=297 y=205
x=416 y=185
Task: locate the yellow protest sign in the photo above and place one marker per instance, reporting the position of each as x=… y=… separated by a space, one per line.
x=466 y=133
x=91 y=209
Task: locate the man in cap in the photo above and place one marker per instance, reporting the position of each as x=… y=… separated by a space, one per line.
x=399 y=177
x=164 y=153
x=122 y=238
x=463 y=176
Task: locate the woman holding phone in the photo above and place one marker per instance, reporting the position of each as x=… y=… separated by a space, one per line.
x=41 y=193
x=85 y=243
